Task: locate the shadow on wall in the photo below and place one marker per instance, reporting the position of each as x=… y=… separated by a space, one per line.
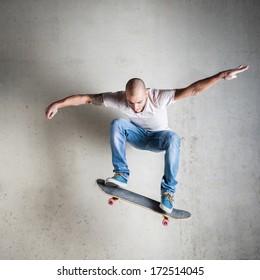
x=52 y=144
x=32 y=84
x=47 y=146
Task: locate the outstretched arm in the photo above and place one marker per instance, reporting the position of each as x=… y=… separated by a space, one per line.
x=201 y=85
x=74 y=100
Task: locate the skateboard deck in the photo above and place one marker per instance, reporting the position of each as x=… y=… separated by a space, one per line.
x=116 y=193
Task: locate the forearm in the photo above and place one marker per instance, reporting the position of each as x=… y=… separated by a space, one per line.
x=201 y=85
x=204 y=84
x=73 y=100
x=76 y=100
x=197 y=87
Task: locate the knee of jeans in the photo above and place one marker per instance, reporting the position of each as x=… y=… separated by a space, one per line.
x=117 y=123
x=172 y=140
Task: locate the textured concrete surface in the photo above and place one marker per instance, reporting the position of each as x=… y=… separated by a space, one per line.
x=50 y=207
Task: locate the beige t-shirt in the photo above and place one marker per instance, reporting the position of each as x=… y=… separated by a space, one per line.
x=153 y=117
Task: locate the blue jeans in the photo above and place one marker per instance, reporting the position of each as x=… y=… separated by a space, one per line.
x=123 y=131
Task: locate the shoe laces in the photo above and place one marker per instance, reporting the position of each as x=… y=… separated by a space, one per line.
x=169 y=196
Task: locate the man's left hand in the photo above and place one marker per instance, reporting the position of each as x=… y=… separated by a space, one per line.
x=232 y=73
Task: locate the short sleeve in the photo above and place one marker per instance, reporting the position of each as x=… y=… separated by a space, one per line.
x=163 y=97
x=111 y=99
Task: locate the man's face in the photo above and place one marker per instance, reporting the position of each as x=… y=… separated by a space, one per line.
x=137 y=99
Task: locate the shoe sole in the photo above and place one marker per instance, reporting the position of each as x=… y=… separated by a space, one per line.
x=165 y=209
x=114 y=183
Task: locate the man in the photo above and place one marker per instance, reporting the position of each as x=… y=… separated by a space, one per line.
x=148 y=126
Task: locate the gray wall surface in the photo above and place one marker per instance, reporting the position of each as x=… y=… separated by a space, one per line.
x=50 y=207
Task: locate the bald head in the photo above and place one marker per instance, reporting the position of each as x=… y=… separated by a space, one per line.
x=136 y=94
x=134 y=85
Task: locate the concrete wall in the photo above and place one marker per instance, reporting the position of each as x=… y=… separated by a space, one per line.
x=50 y=207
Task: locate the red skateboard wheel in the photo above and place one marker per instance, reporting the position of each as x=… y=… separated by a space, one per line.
x=111 y=201
x=165 y=222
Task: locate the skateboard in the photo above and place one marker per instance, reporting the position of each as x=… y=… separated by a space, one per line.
x=117 y=193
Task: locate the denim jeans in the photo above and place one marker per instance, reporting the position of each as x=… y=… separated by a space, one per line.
x=123 y=131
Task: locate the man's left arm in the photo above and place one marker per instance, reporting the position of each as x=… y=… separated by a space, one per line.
x=201 y=85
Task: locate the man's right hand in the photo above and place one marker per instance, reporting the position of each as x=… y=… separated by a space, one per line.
x=51 y=111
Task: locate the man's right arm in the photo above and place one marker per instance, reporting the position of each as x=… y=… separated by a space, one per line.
x=74 y=100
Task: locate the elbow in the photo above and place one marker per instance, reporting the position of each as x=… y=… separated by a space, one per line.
x=195 y=92
x=84 y=99
x=80 y=100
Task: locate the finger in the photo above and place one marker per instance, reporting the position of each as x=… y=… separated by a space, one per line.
x=240 y=70
x=243 y=67
x=50 y=115
x=231 y=77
